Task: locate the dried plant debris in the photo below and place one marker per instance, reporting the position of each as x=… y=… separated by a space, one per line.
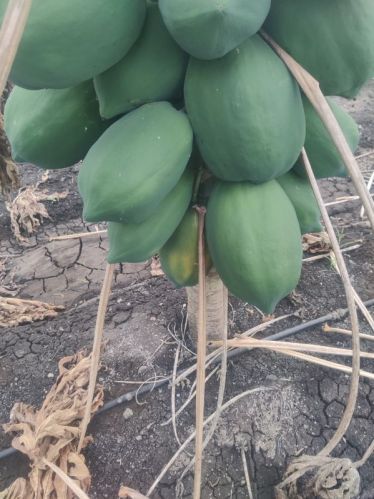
x=9 y=180
x=27 y=210
x=51 y=434
x=156 y=270
x=14 y=311
x=127 y=493
x=317 y=243
x=319 y=477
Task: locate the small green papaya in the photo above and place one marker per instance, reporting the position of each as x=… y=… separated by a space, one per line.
x=248 y=126
x=71 y=41
x=254 y=240
x=321 y=150
x=53 y=128
x=135 y=164
x=153 y=70
x=302 y=197
x=208 y=29
x=179 y=257
x=137 y=242
x=333 y=40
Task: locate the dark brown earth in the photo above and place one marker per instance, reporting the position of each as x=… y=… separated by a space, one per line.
x=295 y=410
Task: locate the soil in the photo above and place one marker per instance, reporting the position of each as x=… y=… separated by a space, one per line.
x=295 y=409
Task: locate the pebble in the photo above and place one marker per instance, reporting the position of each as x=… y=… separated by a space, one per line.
x=128 y=413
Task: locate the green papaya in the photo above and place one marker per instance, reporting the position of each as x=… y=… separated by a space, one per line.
x=153 y=70
x=254 y=240
x=135 y=164
x=53 y=128
x=71 y=41
x=208 y=29
x=302 y=197
x=137 y=242
x=248 y=125
x=322 y=152
x=333 y=40
x=179 y=257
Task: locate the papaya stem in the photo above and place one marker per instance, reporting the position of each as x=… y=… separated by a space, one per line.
x=197 y=183
x=201 y=354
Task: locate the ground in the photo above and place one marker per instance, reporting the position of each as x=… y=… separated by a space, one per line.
x=295 y=409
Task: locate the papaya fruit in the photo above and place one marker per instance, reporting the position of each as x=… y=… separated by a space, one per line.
x=248 y=126
x=254 y=240
x=179 y=257
x=302 y=197
x=53 y=128
x=208 y=29
x=71 y=41
x=137 y=242
x=153 y=70
x=135 y=164
x=321 y=150
x=333 y=40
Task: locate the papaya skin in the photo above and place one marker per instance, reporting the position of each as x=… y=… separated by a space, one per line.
x=322 y=152
x=302 y=198
x=248 y=126
x=53 y=128
x=255 y=242
x=153 y=70
x=67 y=42
x=179 y=257
x=208 y=29
x=333 y=40
x=135 y=164
x=134 y=243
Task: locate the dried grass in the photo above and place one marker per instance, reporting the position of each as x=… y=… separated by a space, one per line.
x=316 y=243
x=14 y=311
x=49 y=436
x=27 y=211
x=127 y=493
x=9 y=180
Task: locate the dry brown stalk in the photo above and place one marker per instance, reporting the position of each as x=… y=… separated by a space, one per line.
x=79 y=235
x=246 y=473
x=369 y=186
x=201 y=354
x=285 y=345
x=352 y=398
x=310 y=87
x=327 y=329
x=11 y=32
x=366 y=456
x=327 y=255
x=66 y=479
x=365 y=154
x=365 y=312
x=322 y=362
x=96 y=350
x=342 y=200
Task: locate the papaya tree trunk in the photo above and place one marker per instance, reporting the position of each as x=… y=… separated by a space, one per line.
x=217 y=308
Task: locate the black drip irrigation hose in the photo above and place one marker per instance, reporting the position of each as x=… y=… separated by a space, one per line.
x=128 y=397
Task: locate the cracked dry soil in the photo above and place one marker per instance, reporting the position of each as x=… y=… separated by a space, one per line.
x=296 y=411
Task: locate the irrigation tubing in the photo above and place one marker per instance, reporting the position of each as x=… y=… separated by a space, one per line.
x=128 y=397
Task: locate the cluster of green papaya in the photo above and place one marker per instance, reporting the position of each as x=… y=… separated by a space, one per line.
x=178 y=102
